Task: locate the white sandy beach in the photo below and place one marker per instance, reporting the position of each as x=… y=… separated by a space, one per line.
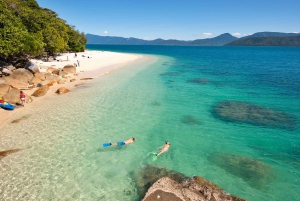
x=92 y=64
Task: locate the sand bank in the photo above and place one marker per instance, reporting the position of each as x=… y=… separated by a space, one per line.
x=92 y=64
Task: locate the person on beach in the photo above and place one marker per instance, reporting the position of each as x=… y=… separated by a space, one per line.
x=126 y=142
x=22 y=97
x=78 y=64
x=164 y=148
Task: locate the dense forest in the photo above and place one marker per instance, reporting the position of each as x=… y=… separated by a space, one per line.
x=27 y=30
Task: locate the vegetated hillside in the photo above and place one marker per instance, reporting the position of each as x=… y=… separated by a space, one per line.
x=267 y=33
x=27 y=29
x=112 y=40
x=267 y=41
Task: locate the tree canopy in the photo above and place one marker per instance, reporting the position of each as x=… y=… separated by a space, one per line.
x=27 y=29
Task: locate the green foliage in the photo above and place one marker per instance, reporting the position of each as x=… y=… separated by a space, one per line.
x=27 y=29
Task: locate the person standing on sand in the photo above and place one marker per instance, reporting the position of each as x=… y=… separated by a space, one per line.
x=78 y=64
x=22 y=97
x=164 y=149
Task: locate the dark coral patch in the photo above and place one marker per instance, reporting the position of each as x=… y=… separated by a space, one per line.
x=256 y=173
x=253 y=114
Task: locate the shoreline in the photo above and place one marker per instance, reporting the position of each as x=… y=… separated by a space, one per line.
x=98 y=64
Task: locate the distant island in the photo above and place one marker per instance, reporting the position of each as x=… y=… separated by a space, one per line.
x=226 y=39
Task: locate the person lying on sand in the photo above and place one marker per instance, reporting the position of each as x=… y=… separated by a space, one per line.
x=164 y=148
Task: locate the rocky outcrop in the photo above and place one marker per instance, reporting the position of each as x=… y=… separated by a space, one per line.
x=41 y=76
x=17 y=84
x=193 y=189
x=4 y=88
x=62 y=90
x=163 y=184
x=72 y=80
x=68 y=69
x=22 y=74
x=258 y=174
x=62 y=81
x=239 y=111
x=13 y=97
x=35 y=80
x=52 y=70
x=41 y=91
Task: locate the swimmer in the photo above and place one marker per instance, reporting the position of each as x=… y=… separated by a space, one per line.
x=126 y=142
x=164 y=148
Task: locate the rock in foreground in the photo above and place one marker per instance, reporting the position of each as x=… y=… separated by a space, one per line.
x=194 y=189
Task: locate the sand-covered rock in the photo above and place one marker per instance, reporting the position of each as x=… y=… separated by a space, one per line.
x=52 y=70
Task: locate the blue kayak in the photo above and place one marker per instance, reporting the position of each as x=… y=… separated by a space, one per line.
x=7 y=106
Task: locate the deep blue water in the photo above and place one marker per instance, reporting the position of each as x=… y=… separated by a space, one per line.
x=197 y=79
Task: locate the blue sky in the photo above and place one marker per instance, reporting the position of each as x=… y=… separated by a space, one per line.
x=177 y=19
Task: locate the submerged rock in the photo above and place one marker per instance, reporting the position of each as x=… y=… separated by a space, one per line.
x=200 y=81
x=253 y=114
x=22 y=118
x=190 y=120
x=256 y=173
x=7 y=152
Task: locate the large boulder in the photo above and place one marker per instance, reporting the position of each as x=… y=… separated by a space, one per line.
x=62 y=81
x=52 y=70
x=13 y=96
x=4 y=88
x=62 y=90
x=193 y=189
x=41 y=76
x=41 y=91
x=18 y=84
x=23 y=75
x=68 y=69
x=35 y=80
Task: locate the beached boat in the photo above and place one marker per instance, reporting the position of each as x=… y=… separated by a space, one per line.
x=7 y=106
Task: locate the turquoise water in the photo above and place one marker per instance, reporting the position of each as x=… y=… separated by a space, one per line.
x=62 y=156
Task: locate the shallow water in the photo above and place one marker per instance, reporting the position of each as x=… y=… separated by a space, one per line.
x=62 y=156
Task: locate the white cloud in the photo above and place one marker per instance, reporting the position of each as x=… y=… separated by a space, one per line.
x=236 y=34
x=105 y=32
x=207 y=35
x=295 y=32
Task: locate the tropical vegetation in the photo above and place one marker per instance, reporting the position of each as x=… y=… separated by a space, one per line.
x=28 y=30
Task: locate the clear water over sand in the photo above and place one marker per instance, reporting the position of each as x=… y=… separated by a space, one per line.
x=62 y=156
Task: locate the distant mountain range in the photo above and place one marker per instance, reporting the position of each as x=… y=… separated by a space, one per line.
x=257 y=39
